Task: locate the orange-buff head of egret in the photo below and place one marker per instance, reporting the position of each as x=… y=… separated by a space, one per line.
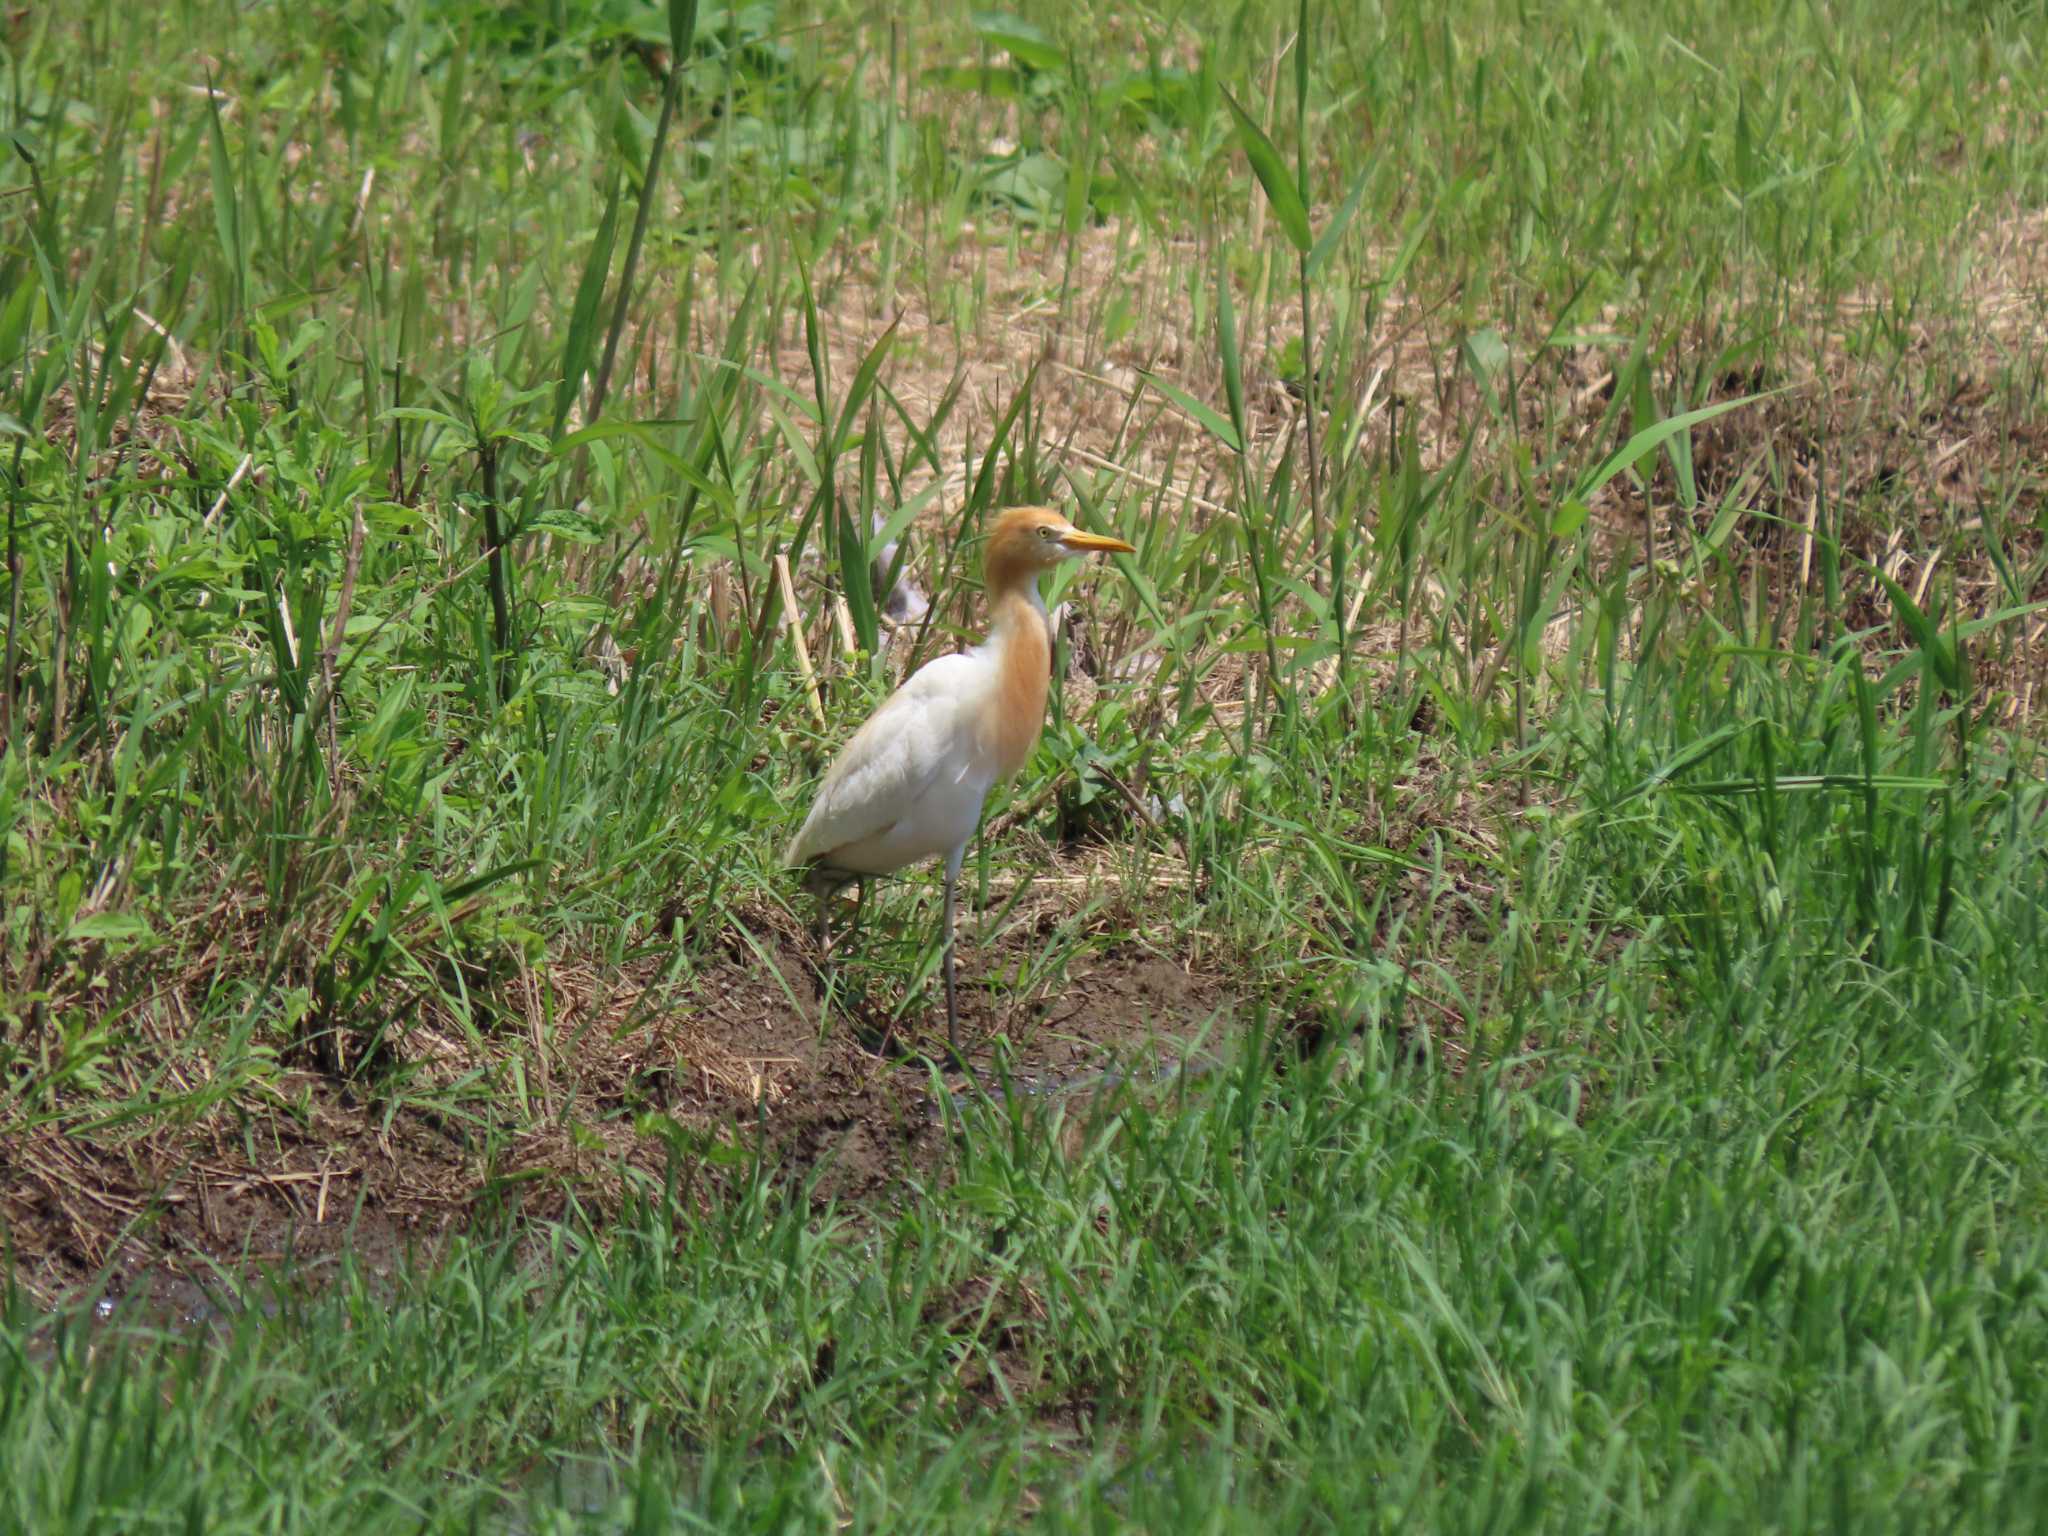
x=1027 y=540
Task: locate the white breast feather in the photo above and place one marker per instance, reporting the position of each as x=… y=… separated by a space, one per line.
x=924 y=729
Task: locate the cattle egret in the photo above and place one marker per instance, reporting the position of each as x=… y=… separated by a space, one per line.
x=910 y=784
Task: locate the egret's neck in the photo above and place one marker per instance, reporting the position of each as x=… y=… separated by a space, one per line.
x=1017 y=602
x=1021 y=640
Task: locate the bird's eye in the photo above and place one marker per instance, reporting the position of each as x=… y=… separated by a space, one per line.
x=1047 y=532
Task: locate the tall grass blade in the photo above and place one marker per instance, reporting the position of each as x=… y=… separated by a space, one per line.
x=1285 y=198
x=1217 y=427
x=581 y=341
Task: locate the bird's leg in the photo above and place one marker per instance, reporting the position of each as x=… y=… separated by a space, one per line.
x=824 y=955
x=952 y=1001
x=825 y=890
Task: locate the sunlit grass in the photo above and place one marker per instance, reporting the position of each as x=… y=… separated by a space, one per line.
x=1599 y=743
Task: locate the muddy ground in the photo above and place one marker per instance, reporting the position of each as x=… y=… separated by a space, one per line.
x=731 y=1063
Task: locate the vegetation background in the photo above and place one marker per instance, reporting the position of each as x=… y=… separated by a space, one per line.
x=1563 y=770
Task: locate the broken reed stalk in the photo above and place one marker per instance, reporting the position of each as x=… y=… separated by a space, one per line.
x=796 y=636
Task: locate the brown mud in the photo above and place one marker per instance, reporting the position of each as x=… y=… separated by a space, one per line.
x=732 y=1064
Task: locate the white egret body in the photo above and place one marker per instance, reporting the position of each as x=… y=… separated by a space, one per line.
x=911 y=783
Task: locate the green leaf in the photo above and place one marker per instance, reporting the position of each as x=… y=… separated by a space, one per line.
x=1285 y=197
x=1699 y=751
x=111 y=927
x=1529 y=643
x=1410 y=244
x=227 y=209
x=857 y=576
x=793 y=438
x=1789 y=782
x=2002 y=616
x=1019 y=38
x=581 y=344
x=424 y=413
x=1327 y=242
x=892 y=530
x=682 y=30
x=1654 y=437
x=1033 y=184
x=1233 y=362
x=997 y=83
x=985 y=478
x=612 y=428
x=1488 y=352
x=1933 y=644
x=630 y=133
x=463 y=889
x=1723 y=523
x=863 y=385
x=1220 y=429
x=566 y=524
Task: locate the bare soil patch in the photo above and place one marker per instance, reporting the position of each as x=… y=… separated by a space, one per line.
x=730 y=1063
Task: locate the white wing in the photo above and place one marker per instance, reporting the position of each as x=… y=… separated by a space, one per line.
x=921 y=736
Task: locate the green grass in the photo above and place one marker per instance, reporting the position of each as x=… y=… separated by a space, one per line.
x=1641 y=807
x=1741 y=1286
